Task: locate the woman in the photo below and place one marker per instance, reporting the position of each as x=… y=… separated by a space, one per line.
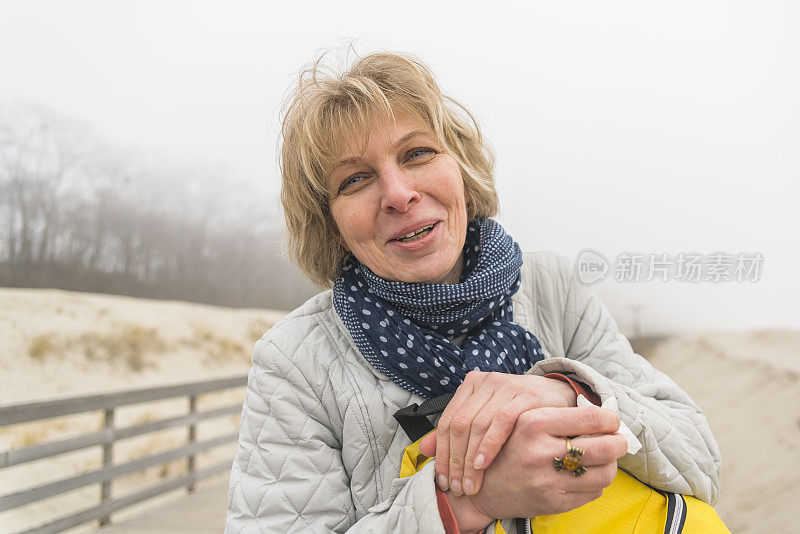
x=387 y=192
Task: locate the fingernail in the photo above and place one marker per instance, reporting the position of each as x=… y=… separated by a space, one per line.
x=479 y=459
x=469 y=487
x=455 y=485
x=441 y=481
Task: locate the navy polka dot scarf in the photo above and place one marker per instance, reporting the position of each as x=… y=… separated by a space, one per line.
x=405 y=330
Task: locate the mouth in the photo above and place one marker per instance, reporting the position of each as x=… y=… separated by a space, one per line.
x=415 y=235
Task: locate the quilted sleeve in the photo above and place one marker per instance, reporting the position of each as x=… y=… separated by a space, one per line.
x=679 y=453
x=288 y=474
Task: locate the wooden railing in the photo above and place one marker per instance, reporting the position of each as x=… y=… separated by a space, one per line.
x=106 y=438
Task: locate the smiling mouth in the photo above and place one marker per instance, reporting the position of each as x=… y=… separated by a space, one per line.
x=416 y=234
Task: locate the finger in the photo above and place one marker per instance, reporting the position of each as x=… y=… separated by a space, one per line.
x=475 y=481
x=571 y=421
x=471 y=477
x=500 y=429
x=442 y=471
x=427 y=445
x=468 y=469
x=595 y=478
x=602 y=449
x=443 y=433
x=461 y=429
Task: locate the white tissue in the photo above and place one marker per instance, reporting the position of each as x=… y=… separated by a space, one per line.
x=624 y=431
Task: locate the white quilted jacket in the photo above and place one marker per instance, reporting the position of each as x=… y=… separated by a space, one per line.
x=319 y=450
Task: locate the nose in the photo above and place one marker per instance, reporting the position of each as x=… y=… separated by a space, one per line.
x=399 y=190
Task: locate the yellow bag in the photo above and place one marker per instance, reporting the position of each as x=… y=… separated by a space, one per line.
x=626 y=506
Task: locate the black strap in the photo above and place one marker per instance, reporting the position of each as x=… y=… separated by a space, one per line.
x=414 y=418
x=676 y=512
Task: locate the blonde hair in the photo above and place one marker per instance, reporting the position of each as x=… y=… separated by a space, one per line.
x=326 y=110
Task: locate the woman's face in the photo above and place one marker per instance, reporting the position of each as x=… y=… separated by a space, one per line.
x=400 y=206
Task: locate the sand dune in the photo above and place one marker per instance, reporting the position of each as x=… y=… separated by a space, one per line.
x=57 y=343
x=73 y=335
x=60 y=343
x=748 y=384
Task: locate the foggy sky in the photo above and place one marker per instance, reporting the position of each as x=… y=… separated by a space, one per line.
x=617 y=126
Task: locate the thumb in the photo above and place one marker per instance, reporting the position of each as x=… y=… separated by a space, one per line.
x=427 y=445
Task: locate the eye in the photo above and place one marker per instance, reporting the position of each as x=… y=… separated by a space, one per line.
x=352 y=180
x=418 y=153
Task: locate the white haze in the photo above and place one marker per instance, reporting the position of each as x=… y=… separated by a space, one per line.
x=618 y=126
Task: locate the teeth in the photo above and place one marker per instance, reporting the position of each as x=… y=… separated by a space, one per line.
x=416 y=233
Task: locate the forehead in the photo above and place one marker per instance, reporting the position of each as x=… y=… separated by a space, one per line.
x=386 y=132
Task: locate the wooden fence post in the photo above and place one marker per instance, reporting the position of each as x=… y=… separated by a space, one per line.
x=108 y=461
x=190 y=464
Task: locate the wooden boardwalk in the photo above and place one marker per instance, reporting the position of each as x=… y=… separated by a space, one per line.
x=201 y=512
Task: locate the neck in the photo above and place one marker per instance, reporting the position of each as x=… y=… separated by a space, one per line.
x=454 y=276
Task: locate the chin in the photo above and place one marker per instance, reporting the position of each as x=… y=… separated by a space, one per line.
x=433 y=275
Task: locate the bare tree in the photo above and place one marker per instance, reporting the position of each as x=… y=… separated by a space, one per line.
x=41 y=161
x=79 y=214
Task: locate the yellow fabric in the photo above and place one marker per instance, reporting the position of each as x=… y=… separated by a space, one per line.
x=413 y=460
x=626 y=506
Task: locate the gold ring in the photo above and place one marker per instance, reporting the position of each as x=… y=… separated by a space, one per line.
x=571 y=461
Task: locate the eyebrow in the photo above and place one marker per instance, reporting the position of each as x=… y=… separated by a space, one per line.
x=355 y=159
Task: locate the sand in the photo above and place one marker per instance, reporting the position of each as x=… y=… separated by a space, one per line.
x=55 y=343
x=155 y=342
x=748 y=384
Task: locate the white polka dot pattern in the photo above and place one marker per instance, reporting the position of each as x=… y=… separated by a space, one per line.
x=388 y=328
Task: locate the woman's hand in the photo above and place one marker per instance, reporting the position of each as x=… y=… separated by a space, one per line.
x=522 y=481
x=480 y=418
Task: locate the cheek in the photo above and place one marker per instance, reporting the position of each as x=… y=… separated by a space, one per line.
x=467 y=199
x=453 y=187
x=457 y=196
x=350 y=225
